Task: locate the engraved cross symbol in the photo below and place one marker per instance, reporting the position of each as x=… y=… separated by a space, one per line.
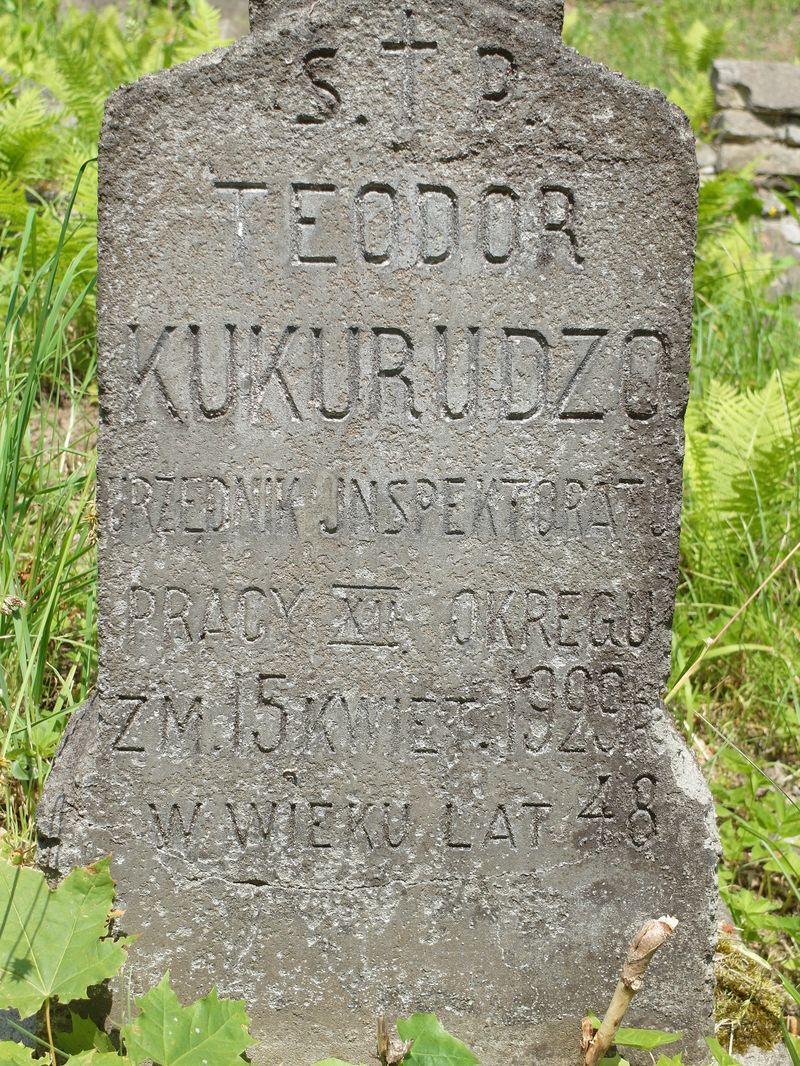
x=408 y=49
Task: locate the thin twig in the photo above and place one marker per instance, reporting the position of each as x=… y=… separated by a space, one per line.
x=641 y=951
x=740 y=751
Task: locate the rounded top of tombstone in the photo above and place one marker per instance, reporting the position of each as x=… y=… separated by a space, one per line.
x=548 y=13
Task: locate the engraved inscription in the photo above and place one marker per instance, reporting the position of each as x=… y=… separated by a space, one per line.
x=454 y=830
x=317 y=66
x=550 y=618
x=540 y=506
x=576 y=710
x=389 y=372
x=240 y=192
x=367 y=616
x=390 y=223
x=393 y=342
x=308 y=245
x=496 y=71
x=559 y=220
x=186 y=615
x=377 y=222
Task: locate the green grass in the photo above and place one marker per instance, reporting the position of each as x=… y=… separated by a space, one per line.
x=741 y=527
x=737 y=622
x=669 y=44
x=58 y=65
x=47 y=466
x=631 y=35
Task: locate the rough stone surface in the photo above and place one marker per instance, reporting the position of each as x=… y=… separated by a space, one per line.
x=10 y=1025
x=756 y=85
x=394 y=323
x=754 y=1056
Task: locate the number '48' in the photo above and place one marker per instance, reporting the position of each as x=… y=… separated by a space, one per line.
x=641 y=825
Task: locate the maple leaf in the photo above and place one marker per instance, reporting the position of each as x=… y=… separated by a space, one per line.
x=211 y=1032
x=83 y=1036
x=432 y=1044
x=12 y=1054
x=55 y=943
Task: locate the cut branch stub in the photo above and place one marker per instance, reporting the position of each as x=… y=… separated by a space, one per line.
x=642 y=948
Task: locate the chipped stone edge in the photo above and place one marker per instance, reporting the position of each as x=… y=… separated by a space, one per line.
x=77 y=751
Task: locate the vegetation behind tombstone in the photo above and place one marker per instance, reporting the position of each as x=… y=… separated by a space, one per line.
x=737 y=694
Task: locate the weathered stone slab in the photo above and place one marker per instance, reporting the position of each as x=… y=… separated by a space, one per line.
x=394 y=322
x=756 y=85
x=745 y=126
x=769 y=158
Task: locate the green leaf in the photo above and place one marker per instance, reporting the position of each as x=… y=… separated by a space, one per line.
x=720 y=1054
x=670 y=1060
x=97 y=1058
x=211 y=1032
x=647 y=1039
x=793 y=991
x=433 y=1045
x=332 y=1062
x=12 y=1054
x=55 y=943
x=792 y=1044
x=84 y=1036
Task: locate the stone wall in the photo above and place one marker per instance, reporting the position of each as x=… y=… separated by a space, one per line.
x=758 y=119
x=757 y=124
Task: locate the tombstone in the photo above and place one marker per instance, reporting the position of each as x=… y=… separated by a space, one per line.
x=394 y=325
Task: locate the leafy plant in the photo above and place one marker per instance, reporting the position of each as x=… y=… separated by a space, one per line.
x=47 y=652
x=55 y=945
x=740 y=708
x=760 y=830
x=15 y=1054
x=83 y=1036
x=423 y=1042
x=693 y=50
x=735 y=651
x=212 y=1030
x=431 y=1044
x=721 y=1056
x=791 y=1042
x=662 y=1060
x=669 y=45
x=59 y=65
x=643 y=1039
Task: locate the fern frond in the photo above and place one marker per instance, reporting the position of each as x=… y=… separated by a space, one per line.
x=742 y=453
x=25 y=125
x=200 y=31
